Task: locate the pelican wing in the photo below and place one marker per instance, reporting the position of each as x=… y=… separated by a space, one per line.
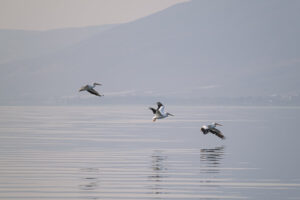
x=204 y=130
x=161 y=109
x=217 y=133
x=92 y=91
x=159 y=105
x=158 y=113
x=153 y=110
x=83 y=88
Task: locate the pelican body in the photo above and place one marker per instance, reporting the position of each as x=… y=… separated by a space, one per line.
x=212 y=129
x=159 y=112
x=91 y=89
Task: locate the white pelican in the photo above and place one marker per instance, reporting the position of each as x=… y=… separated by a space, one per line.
x=159 y=112
x=212 y=128
x=90 y=89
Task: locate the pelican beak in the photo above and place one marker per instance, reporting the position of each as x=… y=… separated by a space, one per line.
x=170 y=114
x=219 y=124
x=80 y=90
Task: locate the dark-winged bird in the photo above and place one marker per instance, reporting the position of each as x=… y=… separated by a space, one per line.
x=91 y=89
x=159 y=112
x=212 y=129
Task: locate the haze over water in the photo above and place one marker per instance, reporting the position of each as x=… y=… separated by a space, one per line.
x=117 y=152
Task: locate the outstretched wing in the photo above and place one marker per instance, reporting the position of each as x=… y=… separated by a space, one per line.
x=160 y=108
x=153 y=110
x=92 y=91
x=204 y=130
x=217 y=133
x=159 y=105
x=83 y=88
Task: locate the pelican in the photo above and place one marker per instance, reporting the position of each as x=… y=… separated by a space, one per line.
x=212 y=128
x=159 y=112
x=90 y=89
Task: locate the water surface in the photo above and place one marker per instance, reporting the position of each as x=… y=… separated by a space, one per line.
x=117 y=152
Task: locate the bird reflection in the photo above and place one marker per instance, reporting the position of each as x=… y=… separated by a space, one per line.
x=90 y=178
x=211 y=159
x=158 y=170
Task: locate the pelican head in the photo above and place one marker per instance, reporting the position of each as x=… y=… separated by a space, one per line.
x=169 y=114
x=217 y=124
x=96 y=84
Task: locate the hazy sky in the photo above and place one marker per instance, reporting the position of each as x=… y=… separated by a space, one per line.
x=52 y=14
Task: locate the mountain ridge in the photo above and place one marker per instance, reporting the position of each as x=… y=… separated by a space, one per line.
x=242 y=48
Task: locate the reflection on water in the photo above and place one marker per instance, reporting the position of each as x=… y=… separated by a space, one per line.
x=89 y=182
x=116 y=153
x=211 y=159
x=90 y=178
x=159 y=171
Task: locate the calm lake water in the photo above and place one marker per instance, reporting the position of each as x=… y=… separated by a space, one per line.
x=117 y=152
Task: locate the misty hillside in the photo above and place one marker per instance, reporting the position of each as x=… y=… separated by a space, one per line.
x=19 y=44
x=200 y=49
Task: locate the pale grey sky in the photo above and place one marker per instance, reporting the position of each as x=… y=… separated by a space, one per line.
x=53 y=14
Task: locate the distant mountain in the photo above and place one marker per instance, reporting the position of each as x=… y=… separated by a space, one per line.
x=19 y=44
x=191 y=51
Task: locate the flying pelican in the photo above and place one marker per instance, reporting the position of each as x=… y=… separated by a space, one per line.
x=159 y=112
x=212 y=128
x=90 y=89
